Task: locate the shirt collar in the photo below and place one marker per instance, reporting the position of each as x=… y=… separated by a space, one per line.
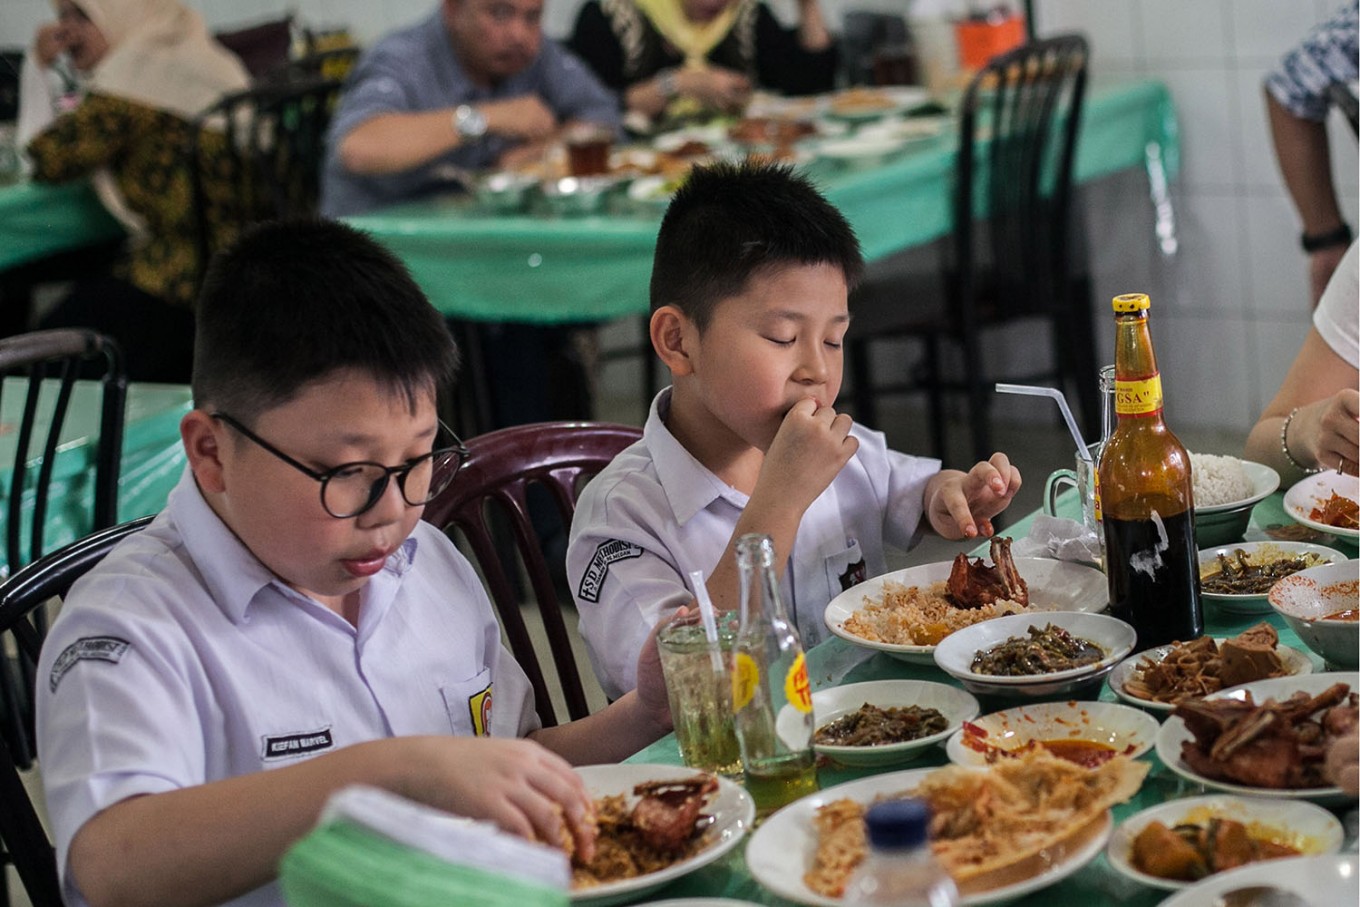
x=233 y=576
x=689 y=485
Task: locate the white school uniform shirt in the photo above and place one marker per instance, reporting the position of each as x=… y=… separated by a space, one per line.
x=181 y=660
x=656 y=513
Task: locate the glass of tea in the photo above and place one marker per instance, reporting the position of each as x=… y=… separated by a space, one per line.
x=588 y=149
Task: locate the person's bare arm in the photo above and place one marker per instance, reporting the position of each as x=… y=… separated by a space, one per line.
x=1305 y=162
x=213 y=842
x=395 y=142
x=812 y=31
x=1322 y=387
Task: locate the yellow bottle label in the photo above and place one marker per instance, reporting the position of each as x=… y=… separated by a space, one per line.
x=744 y=680
x=1141 y=397
x=797 y=690
x=1095 y=481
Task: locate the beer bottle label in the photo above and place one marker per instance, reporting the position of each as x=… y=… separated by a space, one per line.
x=744 y=680
x=1140 y=397
x=797 y=690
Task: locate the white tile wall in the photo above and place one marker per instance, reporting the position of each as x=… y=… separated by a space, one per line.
x=1238 y=282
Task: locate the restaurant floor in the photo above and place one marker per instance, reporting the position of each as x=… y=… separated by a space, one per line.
x=1036 y=445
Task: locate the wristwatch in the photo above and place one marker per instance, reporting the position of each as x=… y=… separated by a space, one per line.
x=1341 y=236
x=469 y=122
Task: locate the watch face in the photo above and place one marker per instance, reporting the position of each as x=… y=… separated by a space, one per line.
x=470 y=122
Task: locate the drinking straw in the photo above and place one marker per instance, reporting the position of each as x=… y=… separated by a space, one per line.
x=707 y=615
x=1036 y=391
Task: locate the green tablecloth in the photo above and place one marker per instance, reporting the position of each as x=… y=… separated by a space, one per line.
x=153 y=457
x=38 y=220
x=1096 y=883
x=540 y=269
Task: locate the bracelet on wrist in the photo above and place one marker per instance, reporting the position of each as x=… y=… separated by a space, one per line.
x=1316 y=242
x=1284 y=445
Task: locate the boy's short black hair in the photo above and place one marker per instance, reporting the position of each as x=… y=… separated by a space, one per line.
x=730 y=221
x=293 y=301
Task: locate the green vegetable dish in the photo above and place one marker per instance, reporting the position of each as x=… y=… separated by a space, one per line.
x=1046 y=651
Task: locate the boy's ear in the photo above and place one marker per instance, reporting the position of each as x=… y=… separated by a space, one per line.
x=202 y=437
x=668 y=328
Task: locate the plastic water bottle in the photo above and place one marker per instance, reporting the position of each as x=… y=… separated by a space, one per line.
x=900 y=868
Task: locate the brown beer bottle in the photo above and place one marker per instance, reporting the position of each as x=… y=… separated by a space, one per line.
x=1144 y=497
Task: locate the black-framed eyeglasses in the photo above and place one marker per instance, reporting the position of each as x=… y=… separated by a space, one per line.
x=352 y=488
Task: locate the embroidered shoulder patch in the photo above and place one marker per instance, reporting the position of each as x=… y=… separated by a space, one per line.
x=608 y=552
x=288 y=746
x=87 y=648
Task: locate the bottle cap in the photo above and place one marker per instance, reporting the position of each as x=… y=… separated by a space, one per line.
x=1131 y=302
x=897 y=824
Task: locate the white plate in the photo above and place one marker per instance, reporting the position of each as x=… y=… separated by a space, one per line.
x=1053 y=586
x=956 y=652
x=1325 y=881
x=909 y=129
x=956 y=705
x=866 y=150
x=1312 y=491
x=1255 y=602
x=1295 y=662
x=1127 y=730
x=780 y=851
x=1174 y=733
x=731 y=807
x=1264 y=481
x=1304 y=826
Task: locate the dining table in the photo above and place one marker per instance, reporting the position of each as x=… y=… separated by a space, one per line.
x=835 y=662
x=153 y=458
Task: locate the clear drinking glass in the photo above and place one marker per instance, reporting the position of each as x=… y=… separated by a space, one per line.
x=700 y=693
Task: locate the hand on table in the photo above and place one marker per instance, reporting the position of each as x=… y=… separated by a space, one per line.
x=812 y=445
x=525 y=117
x=519 y=785
x=714 y=86
x=1330 y=431
x=961 y=505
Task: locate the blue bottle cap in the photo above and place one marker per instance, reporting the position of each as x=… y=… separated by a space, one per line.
x=897 y=824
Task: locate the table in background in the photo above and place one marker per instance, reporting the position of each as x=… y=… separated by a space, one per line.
x=153 y=457
x=835 y=662
x=48 y=233
x=522 y=267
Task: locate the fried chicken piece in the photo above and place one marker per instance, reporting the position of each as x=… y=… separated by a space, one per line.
x=667 y=814
x=974 y=584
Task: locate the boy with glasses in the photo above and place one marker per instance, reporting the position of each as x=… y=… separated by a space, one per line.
x=288 y=626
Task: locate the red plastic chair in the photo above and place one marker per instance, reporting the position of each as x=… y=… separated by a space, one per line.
x=488 y=503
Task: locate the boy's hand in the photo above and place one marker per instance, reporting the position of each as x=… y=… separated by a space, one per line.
x=521 y=786
x=961 y=505
x=812 y=445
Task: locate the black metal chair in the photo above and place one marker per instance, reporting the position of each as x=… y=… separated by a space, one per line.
x=504 y=469
x=1017 y=137
x=256 y=155
x=22 y=599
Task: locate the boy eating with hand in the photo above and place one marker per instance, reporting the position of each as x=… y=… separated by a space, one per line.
x=288 y=626
x=749 y=298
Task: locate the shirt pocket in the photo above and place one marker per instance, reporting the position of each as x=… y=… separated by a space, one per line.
x=844 y=568
x=468 y=704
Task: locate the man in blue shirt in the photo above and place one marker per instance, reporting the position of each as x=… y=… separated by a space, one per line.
x=472 y=86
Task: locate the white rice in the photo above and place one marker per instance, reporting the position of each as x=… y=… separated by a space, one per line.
x=1218 y=480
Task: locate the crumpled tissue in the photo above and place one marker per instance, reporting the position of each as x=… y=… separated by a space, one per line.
x=1059 y=538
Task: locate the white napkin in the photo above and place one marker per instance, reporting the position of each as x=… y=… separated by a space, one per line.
x=455 y=839
x=1056 y=537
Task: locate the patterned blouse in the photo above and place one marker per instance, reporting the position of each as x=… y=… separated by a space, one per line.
x=146 y=151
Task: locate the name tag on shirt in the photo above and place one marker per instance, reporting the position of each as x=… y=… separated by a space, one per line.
x=290 y=746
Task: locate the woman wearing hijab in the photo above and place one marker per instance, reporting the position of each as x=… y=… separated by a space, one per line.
x=147 y=68
x=672 y=59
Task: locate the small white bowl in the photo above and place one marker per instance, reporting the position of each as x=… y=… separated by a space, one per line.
x=1127 y=731
x=1295 y=662
x=861 y=151
x=1307 y=597
x=1222 y=524
x=1304 y=826
x=955 y=652
x=1258 y=553
x=834 y=702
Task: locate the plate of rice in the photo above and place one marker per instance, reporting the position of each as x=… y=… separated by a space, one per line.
x=1226 y=490
x=906 y=612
